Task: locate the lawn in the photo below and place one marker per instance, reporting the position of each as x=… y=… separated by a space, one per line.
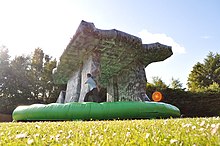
x=185 y=131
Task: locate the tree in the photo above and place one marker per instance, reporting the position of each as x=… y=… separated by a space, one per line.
x=49 y=90
x=42 y=66
x=214 y=87
x=28 y=77
x=36 y=71
x=4 y=71
x=159 y=83
x=205 y=74
x=176 y=84
x=37 y=60
x=26 y=80
x=20 y=83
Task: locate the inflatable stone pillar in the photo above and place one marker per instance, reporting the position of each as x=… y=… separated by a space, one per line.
x=76 y=87
x=92 y=66
x=128 y=85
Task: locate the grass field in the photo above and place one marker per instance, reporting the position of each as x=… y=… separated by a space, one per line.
x=185 y=131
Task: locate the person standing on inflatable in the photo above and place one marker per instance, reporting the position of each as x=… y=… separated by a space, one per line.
x=93 y=90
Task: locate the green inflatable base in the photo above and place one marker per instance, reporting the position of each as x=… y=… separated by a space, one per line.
x=95 y=111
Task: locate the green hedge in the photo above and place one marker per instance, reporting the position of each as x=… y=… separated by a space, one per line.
x=8 y=105
x=191 y=104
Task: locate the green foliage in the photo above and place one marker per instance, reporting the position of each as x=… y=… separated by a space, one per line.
x=26 y=79
x=42 y=66
x=176 y=84
x=157 y=82
x=204 y=75
x=159 y=85
x=4 y=70
x=50 y=90
x=37 y=60
x=19 y=84
x=196 y=131
x=36 y=71
x=4 y=56
x=214 y=87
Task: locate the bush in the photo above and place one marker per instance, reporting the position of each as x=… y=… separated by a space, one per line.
x=191 y=104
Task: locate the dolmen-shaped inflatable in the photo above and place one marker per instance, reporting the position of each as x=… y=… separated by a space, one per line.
x=117 y=60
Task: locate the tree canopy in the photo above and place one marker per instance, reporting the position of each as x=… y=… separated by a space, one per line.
x=205 y=76
x=28 y=77
x=4 y=70
x=176 y=84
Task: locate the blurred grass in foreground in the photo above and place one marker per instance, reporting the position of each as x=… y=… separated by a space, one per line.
x=186 y=131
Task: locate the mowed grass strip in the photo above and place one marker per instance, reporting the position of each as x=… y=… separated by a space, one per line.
x=186 y=131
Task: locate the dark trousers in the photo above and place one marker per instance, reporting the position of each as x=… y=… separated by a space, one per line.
x=92 y=96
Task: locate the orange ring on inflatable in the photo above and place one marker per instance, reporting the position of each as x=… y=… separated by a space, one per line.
x=157 y=96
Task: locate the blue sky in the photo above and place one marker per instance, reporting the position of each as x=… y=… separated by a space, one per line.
x=192 y=27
